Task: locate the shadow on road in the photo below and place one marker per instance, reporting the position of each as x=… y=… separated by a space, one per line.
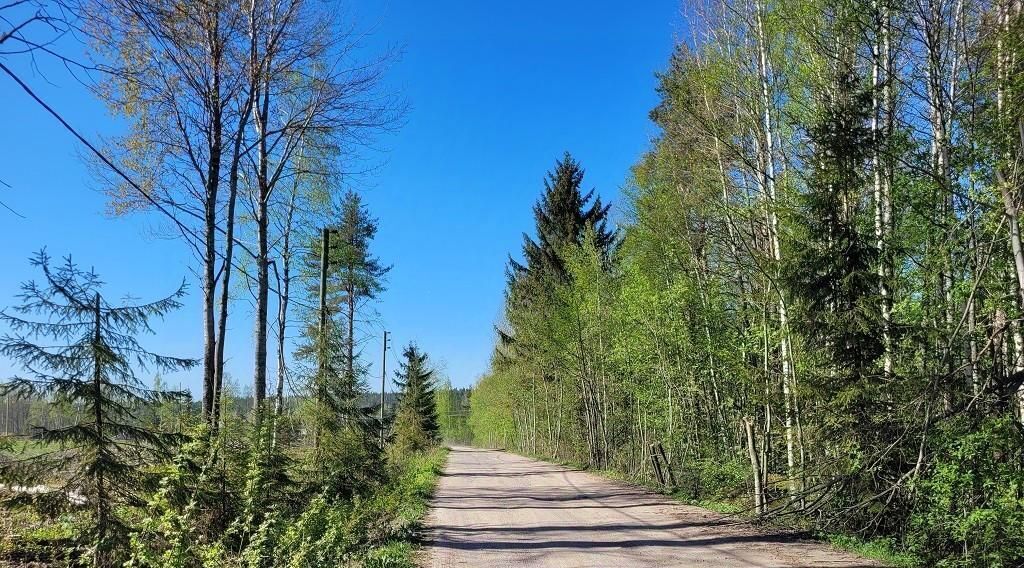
x=493 y=508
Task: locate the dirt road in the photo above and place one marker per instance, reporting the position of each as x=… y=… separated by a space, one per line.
x=495 y=509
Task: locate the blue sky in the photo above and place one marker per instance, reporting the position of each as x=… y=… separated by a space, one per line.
x=496 y=92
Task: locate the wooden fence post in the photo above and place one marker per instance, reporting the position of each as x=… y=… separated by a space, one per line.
x=668 y=466
x=657 y=466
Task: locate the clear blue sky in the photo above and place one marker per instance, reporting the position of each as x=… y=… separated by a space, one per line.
x=497 y=92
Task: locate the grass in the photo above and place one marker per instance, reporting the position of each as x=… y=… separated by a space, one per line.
x=22 y=448
x=718 y=506
x=398 y=554
x=410 y=495
x=882 y=550
x=27 y=538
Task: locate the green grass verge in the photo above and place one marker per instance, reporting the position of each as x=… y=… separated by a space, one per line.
x=410 y=494
x=27 y=538
x=882 y=549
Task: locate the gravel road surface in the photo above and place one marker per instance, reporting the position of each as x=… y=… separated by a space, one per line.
x=495 y=509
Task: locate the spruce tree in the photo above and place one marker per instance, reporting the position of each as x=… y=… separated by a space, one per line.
x=416 y=423
x=835 y=282
x=345 y=450
x=354 y=277
x=562 y=216
x=76 y=347
x=833 y=274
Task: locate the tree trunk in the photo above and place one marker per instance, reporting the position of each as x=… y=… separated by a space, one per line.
x=755 y=465
x=229 y=221
x=881 y=106
x=282 y=326
x=225 y=290
x=209 y=335
x=770 y=197
x=350 y=354
x=102 y=512
x=210 y=213
x=263 y=248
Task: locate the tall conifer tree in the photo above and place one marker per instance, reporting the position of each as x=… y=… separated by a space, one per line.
x=833 y=274
x=416 y=423
x=562 y=216
x=355 y=276
x=360 y=275
x=82 y=350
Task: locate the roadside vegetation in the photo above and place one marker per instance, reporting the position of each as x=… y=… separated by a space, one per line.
x=239 y=125
x=807 y=308
x=130 y=475
x=811 y=295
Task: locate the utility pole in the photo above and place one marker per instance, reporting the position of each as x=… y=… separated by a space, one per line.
x=383 y=379
x=321 y=348
x=325 y=246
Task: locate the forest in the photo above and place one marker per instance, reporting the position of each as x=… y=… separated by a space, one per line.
x=811 y=294
x=804 y=307
x=240 y=121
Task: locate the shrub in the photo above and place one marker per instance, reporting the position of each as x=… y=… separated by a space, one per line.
x=970 y=508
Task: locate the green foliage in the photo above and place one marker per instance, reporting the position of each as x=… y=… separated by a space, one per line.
x=359 y=274
x=883 y=549
x=820 y=243
x=491 y=423
x=83 y=351
x=329 y=353
x=375 y=529
x=562 y=215
x=124 y=476
x=393 y=555
x=352 y=461
x=713 y=479
x=416 y=424
x=970 y=510
x=167 y=536
x=332 y=411
x=265 y=491
x=318 y=537
x=28 y=538
x=261 y=549
x=833 y=275
x=453 y=413
x=375 y=525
